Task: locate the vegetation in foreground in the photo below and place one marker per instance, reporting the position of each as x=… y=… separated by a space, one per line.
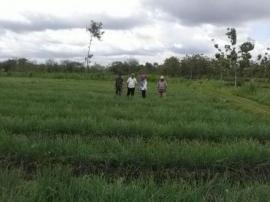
x=58 y=184
x=73 y=140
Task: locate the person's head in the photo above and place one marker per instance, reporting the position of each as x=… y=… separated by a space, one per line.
x=162 y=78
x=143 y=77
x=132 y=75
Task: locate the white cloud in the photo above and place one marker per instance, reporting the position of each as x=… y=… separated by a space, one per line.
x=144 y=29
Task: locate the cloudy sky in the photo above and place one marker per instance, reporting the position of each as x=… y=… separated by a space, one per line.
x=148 y=30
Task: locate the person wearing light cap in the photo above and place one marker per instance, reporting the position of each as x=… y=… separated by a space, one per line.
x=162 y=86
x=131 y=84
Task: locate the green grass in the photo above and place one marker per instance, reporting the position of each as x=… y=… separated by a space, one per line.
x=137 y=152
x=258 y=94
x=48 y=106
x=60 y=185
x=76 y=123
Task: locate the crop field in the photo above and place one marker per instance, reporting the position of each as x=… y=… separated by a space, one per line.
x=72 y=139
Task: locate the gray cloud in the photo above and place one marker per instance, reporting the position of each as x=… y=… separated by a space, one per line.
x=17 y=39
x=133 y=52
x=219 y=12
x=55 y=54
x=190 y=50
x=43 y=54
x=38 y=22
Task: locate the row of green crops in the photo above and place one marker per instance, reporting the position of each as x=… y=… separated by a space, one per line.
x=58 y=184
x=137 y=152
x=49 y=106
x=72 y=139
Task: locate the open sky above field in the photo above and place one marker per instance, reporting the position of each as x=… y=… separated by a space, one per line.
x=148 y=30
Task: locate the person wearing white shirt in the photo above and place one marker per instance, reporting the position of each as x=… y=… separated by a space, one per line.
x=143 y=85
x=131 y=84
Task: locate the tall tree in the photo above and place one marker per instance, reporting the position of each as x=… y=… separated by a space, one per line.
x=264 y=62
x=233 y=53
x=95 y=31
x=245 y=49
x=221 y=60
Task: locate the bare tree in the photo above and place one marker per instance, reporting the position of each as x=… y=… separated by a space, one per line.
x=95 y=31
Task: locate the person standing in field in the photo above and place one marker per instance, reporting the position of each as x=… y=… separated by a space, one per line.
x=131 y=84
x=162 y=86
x=119 y=85
x=143 y=85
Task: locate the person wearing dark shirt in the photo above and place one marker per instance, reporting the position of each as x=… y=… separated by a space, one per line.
x=119 y=85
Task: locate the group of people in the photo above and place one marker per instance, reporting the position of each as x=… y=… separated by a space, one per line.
x=132 y=83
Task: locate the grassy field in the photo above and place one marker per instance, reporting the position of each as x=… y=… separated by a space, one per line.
x=71 y=139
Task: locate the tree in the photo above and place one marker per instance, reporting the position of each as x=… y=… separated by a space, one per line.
x=221 y=60
x=71 y=66
x=98 y=67
x=9 y=65
x=233 y=53
x=149 y=67
x=171 y=66
x=117 y=67
x=95 y=31
x=22 y=61
x=51 y=62
x=264 y=61
x=132 y=65
x=245 y=49
x=195 y=66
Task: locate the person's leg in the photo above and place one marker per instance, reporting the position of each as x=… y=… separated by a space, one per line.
x=161 y=93
x=143 y=93
x=120 y=91
x=128 y=92
x=132 y=91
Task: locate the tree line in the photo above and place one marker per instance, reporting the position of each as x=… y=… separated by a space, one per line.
x=195 y=66
x=232 y=61
x=191 y=66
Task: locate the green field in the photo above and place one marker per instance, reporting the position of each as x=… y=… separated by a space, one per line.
x=71 y=139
